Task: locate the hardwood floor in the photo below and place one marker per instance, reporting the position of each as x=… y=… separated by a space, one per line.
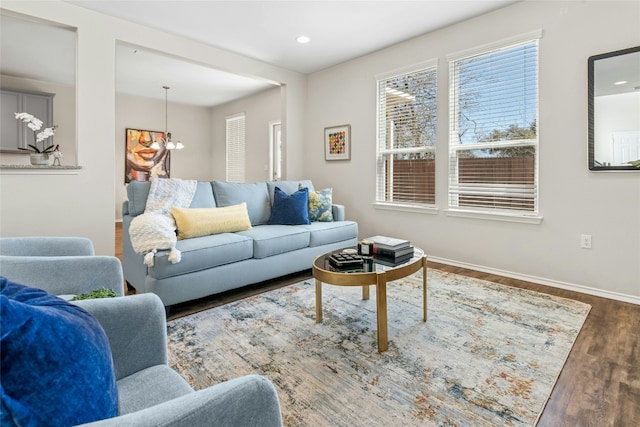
x=600 y=383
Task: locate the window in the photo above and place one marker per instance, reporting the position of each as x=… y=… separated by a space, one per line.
x=275 y=152
x=235 y=148
x=493 y=135
x=406 y=136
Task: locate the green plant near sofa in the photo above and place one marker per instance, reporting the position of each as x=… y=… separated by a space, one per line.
x=96 y=293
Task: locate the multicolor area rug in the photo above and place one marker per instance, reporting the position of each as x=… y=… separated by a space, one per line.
x=488 y=355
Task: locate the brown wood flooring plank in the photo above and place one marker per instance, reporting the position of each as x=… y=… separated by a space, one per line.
x=600 y=383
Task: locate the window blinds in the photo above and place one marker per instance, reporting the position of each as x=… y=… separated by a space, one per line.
x=406 y=137
x=493 y=139
x=235 y=148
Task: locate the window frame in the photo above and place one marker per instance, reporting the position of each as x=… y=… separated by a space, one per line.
x=381 y=200
x=454 y=145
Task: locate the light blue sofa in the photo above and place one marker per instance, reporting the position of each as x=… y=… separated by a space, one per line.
x=221 y=262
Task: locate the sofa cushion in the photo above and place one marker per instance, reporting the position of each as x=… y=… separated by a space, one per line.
x=288 y=187
x=292 y=209
x=56 y=361
x=197 y=222
x=138 y=192
x=254 y=194
x=201 y=253
x=320 y=205
x=322 y=233
x=271 y=240
x=203 y=198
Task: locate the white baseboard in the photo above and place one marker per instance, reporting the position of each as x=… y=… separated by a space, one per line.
x=542 y=281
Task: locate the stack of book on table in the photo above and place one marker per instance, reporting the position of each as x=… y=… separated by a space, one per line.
x=391 y=250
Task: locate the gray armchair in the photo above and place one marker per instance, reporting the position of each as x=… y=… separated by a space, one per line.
x=64 y=266
x=150 y=393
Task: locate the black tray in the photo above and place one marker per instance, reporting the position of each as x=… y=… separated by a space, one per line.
x=345 y=260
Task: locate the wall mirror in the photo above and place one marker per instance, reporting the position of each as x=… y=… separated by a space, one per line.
x=614 y=110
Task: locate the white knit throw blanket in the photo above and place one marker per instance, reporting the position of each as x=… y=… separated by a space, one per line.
x=155 y=228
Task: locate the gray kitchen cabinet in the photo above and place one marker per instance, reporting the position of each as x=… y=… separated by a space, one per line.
x=15 y=133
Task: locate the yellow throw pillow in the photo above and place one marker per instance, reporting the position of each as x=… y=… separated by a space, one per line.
x=197 y=222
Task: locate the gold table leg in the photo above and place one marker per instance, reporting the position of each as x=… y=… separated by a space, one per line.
x=424 y=289
x=318 y=301
x=381 y=295
x=381 y=313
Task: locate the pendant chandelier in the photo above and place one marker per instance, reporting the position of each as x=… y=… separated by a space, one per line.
x=168 y=142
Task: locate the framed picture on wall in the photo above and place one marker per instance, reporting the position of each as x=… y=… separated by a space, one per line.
x=337 y=143
x=142 y=160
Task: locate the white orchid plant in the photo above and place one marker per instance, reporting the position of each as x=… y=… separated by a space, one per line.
x=35 y=124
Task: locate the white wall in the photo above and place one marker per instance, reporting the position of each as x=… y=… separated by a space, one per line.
x=202 y=130
x=573 y=200
x=259 y=109
x=187 y=123
x=83 y=204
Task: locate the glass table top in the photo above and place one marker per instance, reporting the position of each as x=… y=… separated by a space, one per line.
x=369 y=265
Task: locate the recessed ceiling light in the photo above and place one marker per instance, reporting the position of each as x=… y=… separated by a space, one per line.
x=621 y=82
x=303 y=39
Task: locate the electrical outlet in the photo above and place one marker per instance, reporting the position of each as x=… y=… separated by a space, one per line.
x=585 y=241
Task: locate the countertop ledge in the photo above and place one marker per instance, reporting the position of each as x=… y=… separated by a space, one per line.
x=39 y=170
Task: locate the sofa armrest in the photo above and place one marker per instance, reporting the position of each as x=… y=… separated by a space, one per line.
x=242 y=402
x=136 y=328
x=65 y=275
x=46 y=246
x=134 y=269
x=337 y=211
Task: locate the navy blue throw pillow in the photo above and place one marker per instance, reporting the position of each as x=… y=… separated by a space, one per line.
x=56 y=365
x=290 y=209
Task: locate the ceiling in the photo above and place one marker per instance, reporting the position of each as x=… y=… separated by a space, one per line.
x=262 y=30
x=143 y=73
x=267 y=30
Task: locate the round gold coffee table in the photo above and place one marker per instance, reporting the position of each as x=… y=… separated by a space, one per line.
x=372 y=272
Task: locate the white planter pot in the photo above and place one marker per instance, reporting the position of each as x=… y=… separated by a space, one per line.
x=39 y=159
